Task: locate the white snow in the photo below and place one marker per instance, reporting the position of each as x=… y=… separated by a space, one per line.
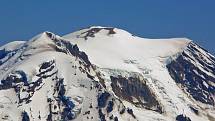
x=111 y=51
x=122 y=51
x=12 y=45
x=113 y=54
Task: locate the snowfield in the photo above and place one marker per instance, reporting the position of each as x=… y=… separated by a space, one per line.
x=104 y=73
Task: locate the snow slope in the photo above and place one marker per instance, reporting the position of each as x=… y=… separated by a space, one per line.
x=111 y=50
x=48 y=78
x=122 y=51
x=105 y=73
x=12 y=45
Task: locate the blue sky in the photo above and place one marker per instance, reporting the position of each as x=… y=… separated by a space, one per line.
x=195 y=19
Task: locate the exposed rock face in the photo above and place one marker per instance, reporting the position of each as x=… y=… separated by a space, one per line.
x=10 y=50
x=107 y=103
x=102 y=99
x=25 y=116
x=182 y=118
x=61 y=102
x=25 y=89
x=194 y=110
x=195 y=80
x=3 y=53
x=136 y=91
x=92 y=31
x=6 y=55
x=67 y=47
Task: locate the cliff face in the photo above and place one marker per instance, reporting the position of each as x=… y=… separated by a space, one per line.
x=194 y=72
x=136 y=91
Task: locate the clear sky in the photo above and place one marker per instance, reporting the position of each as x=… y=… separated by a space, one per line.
x=194 y=19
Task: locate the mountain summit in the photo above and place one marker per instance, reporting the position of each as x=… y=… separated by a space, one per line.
x=106 y=74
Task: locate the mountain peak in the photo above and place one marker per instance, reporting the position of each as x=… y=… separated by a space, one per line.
x=95 y=31
x=105 y=73
x=121 y=45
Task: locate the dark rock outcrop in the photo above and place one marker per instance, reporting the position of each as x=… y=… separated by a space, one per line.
x=187 y=73
x=66 y=47
x=182 y=118
x=25 y=116
x=101 y=115
x=92 y=31
x=102 y=99
x=133 y=87
x=6 y=55
x=110 y=106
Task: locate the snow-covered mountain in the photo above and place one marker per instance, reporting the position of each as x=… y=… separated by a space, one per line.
x=105 y=73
